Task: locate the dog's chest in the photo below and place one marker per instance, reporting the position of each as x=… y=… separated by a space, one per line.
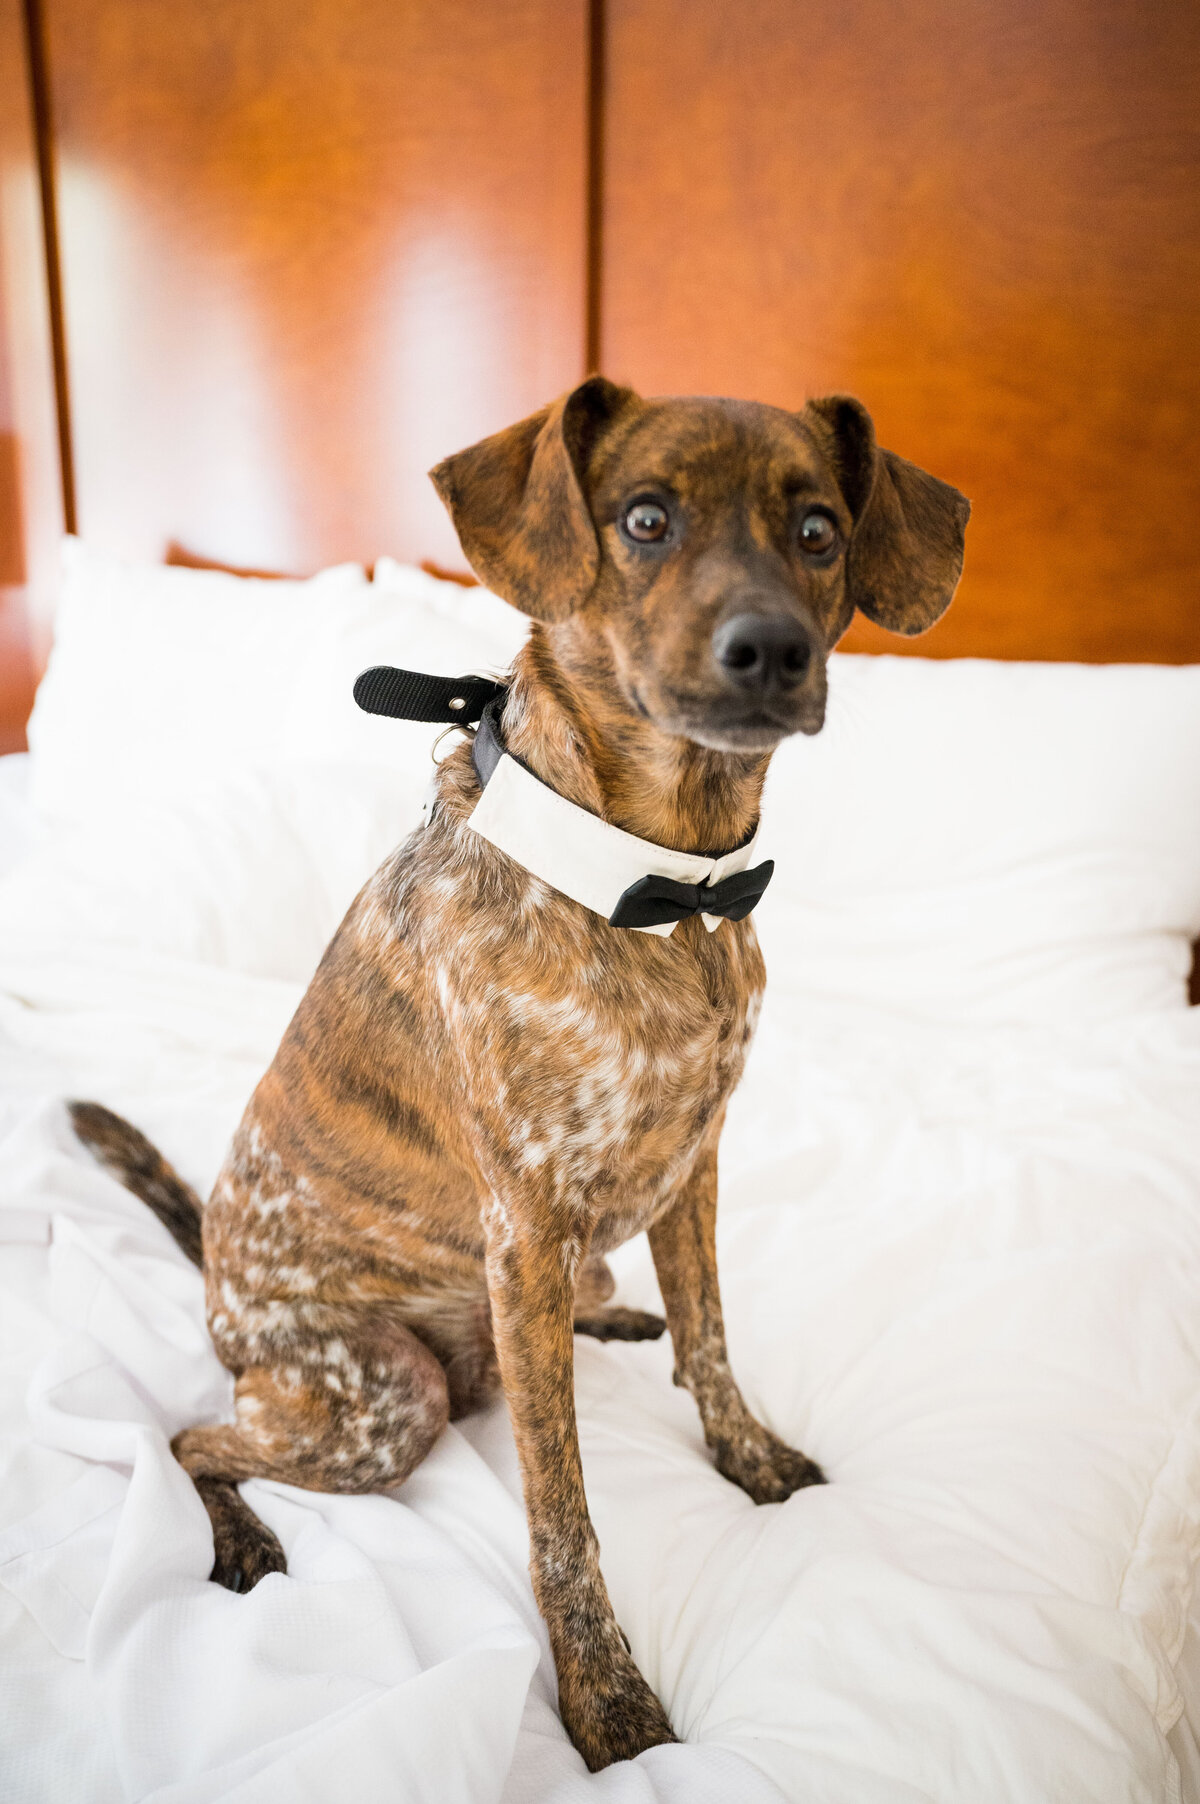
x=596 y=1073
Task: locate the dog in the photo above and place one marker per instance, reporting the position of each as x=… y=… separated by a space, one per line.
x=487 y=1085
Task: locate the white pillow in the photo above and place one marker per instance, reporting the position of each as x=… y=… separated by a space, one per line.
x=964 y=841
x=18 y=826
x=969 y=840
x=252 y=872
x=408 y=618
x=239 y=844
x=159 y=676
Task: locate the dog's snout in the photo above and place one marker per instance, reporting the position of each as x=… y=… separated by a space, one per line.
x=763 y=651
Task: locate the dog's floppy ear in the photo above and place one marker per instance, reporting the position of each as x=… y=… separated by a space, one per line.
x=518 y=504
x=906 y=551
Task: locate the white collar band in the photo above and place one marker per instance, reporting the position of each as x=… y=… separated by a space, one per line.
x=644 y=886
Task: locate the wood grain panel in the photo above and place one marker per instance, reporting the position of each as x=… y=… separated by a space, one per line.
x=30 y=487
x=984 y=219
x=309 y=246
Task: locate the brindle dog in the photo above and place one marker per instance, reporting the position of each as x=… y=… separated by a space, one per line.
x=486 y=1086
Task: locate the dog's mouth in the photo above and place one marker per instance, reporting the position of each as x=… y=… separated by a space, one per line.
x=725 y=725
x=756 y=732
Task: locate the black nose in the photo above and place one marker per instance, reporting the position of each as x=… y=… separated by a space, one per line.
x=763 y=651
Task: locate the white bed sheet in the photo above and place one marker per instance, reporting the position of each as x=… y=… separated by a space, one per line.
x=927 y=1236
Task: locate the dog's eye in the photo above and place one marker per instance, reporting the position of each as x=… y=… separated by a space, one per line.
x=817 y=533
x=647 y=521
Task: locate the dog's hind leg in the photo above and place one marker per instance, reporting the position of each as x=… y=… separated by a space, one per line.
x=595 y=1317
x=618 y=1323
x=356 y=1410
x=594 y=1283
x=244 y=1549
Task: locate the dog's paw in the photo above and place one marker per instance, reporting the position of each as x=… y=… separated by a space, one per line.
x=612 y=1715
x=240 y=1568
x=617 y=1323
x=765 y=1467
x=244 y=1549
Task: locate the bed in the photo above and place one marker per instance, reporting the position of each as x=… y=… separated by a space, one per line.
x=960 y=1250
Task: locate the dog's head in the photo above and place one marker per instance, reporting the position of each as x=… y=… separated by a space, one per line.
x=715 y=549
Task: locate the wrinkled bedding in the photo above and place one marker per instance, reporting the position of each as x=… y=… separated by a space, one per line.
x=961 y=1268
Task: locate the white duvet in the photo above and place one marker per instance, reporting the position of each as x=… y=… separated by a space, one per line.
x=960 y=1255
x=961 y=1268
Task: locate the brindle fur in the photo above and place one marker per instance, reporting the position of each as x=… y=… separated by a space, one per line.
x=141 y=1168
x=486 y=1086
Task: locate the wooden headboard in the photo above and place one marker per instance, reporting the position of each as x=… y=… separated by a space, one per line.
x=264 y=261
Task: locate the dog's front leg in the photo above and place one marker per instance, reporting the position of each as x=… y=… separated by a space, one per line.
x=683 y=1242
x=608 y=1708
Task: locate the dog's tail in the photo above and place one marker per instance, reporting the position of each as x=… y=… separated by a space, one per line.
x=141 y=1168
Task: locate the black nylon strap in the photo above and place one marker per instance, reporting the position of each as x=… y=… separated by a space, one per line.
x=411 y=695
x=488 y=747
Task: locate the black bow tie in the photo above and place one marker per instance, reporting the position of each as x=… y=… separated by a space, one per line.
x=653 y=901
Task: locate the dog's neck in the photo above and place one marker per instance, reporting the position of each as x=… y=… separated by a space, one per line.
x=567 y=720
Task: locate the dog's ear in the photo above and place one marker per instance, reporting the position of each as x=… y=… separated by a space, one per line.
x=906 y=551
x=518 y=503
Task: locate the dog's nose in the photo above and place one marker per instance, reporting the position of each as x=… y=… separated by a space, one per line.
x=763 y=651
